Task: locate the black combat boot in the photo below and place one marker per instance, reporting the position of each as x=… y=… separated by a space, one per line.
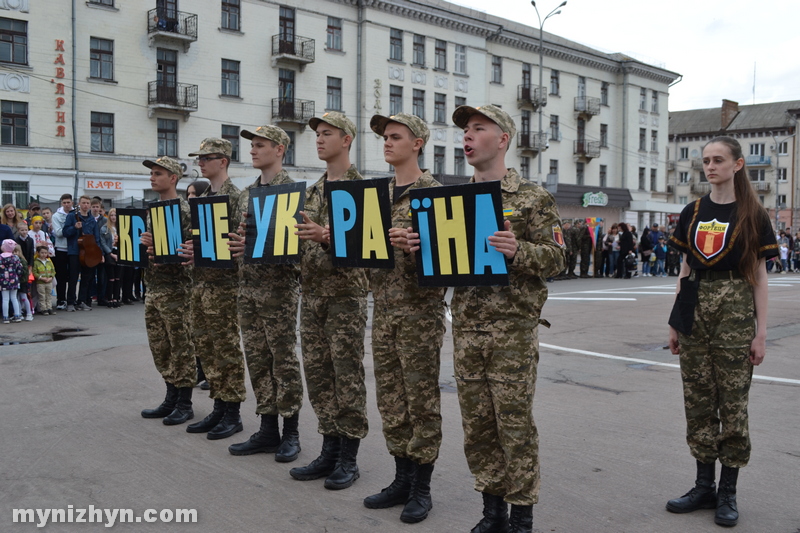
x=702 y=496
x=521 y=519
x=183 y=408
x=230 y=424
x=495 y=515
x=397 y=492
x=324 y=464
x=166 y=407
x=346 y=471
x=419 y=498
x=265 y=440
x=727 y=513
x=289 y=448
x=209 y=422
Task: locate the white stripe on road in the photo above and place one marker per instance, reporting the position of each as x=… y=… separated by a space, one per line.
x=593 y=299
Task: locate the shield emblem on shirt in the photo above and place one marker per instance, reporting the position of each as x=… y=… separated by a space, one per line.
x=558 y=236
x=709 y=237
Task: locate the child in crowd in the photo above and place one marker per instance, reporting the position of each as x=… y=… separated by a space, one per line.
x=784 y=251
x=24 y=284
x=10 y=272
x=40 y=236
x=660 y=253
x=25 y=242
x=44 y=272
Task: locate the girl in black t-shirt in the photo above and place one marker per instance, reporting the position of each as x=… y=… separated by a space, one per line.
x=718 y=325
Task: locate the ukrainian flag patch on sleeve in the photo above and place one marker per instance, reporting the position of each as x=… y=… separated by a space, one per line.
x=507 y=212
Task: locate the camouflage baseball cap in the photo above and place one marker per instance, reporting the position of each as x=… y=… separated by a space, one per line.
x=492 y=112
x=273 y=133
x=167 y=163
x=337 y=120
x=415 y=124
x=213 y=145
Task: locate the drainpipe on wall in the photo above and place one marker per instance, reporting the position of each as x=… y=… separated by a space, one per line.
x=624 y=173
x=74 y=102
x=359 y=88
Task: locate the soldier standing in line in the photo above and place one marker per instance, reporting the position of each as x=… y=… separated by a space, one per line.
x=407 y=334
x=333 y=317
x=495 y=339
x=267 y=306
x=168 y=300
x=584 y=241
x=215 y=330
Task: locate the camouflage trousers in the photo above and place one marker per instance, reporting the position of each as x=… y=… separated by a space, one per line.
x=717 y=372
x=572 y=262
x=269 y=337
x=332 y=339
x=405 y=350
x=496 y=376
x=586 y=259
x=215 y=333
x=169 y=336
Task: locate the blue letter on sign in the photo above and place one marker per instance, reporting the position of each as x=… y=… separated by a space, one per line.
x=262 y=224
x=485 y=226
x=342 y=201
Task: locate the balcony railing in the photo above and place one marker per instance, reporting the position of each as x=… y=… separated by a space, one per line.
x=697 y=164
x=532 y=141
x=292 y=48
x=176 y=96
x=761 y=186
x=587 y=105
x=670 y=165
x=701 y=188
x=172 y=24
x=299 y=111
x=587 y=149
x=531 y=95
x=758 y=160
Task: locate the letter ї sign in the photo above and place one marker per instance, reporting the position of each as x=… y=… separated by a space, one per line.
x=273 y=211
x=165 y=221
x=130 y=226
x=454 y=224
x=360 y=215
x=210 y=228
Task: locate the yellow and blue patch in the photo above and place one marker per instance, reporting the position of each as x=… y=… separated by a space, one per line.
x=507 y=212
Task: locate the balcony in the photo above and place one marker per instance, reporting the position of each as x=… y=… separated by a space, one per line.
x=761 y=186
x=587 y=106
x=700 y=189
x=670 y=165
x=168 y=25
x=292 y=111
x=586 y=149
x=532 y=142
x=697 y=164
x=528 y=95
x=758 y=160
x=292 y=49
x=177 y=97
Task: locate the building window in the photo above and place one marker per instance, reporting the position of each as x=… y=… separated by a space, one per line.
x=15 y=192
x=782 y=201
x=458 y=162
x=654 y=140
x=288 y=155
x=497 y=69
x=555 y=134
x=643 y=99
x=231 y=133
x=167 y=137
x=553 y=168
x=554 y=82
x=525 y=167
x=439 y=108
x=604 y=93
x=13 y=41
x=395 y=99
x=683 y=200
x=579 y=167
x=684 y=153
x=603 y=175
x=396 y=45
x=334 y=101
x=683 y=177
x=654 y=102
x=102 y=132
x=418 y=104
x=653 y=178
x=419 y=51
x=641 y=179
x=781 y=174
x=783 y=148
x=230 y=77
x=440 y=62
x=757 y=149
x=101 y=58
x=604 y=135
x=642 y=139
x=334 y=41
x=109 y=3
x=461 y=100
x=461 y=59
x=230 y=15
x=438 y=159
x=14 y=124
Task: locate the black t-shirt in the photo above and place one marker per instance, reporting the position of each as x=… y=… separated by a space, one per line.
x=399 y=190
x=707 y=233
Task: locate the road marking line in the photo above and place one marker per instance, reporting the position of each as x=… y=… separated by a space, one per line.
x=593 y=299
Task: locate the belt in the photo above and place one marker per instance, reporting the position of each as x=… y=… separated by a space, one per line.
x=714 y=275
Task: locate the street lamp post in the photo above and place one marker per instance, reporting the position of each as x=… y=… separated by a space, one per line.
x=555 y=11
x=778 y=177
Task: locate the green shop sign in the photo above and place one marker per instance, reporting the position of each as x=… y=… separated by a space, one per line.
x=595 y=198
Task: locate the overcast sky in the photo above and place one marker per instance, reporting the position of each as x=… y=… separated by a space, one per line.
x=714 y=44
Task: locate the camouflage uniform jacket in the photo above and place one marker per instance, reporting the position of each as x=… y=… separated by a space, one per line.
x=398 y=287
x=170 y=277
x=276 y=277
x=534 y=218
x=220 y=276
x=320 y=277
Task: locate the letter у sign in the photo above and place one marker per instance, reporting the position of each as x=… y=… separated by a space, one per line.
x=454 y=224
x=210 y=228
x=130 y=226
x=360 y=215
x=272 y=213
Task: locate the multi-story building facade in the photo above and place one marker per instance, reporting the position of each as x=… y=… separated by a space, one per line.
x=767 y=133
x=85 y=103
